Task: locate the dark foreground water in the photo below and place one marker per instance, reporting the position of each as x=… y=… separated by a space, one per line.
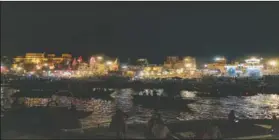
x=256 y=107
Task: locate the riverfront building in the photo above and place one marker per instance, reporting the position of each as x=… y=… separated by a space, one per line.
x=37 y=61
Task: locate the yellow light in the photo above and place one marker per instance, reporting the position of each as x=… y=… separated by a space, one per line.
x=38 y=67
x=273 y=63
x=19 y=68
x=15 y=66
x=37 y=61
x=45 y=64
x=179 y=71
x=192 y=72
x=188 y=65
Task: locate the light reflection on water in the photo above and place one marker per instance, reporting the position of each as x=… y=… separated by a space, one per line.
x=257 y=107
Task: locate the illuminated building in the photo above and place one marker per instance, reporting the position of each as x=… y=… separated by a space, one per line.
x=172 y=61
x=189 y=63
x=36 y=60
x=253 y=67
x=129 y=73
x=272 y=65
x=97 y=65
x=231 y=70
x=218 y=64
x=155 y=69
x=151 y=71
x=142 y=62
x=176 y=67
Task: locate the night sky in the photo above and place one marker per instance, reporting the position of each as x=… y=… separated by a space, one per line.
x=140 y=29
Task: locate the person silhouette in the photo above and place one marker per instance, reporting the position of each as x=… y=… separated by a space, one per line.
x=232 y=117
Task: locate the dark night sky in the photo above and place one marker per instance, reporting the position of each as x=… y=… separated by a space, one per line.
x=140 y=29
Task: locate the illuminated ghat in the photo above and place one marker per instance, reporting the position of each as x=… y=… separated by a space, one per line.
x=33 y=61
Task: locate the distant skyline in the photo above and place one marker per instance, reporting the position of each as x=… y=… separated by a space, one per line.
x=133 y=30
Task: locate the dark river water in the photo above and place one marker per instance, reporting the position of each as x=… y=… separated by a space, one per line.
x=256 y=107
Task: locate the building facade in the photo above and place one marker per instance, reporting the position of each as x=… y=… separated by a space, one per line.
x=37 y=61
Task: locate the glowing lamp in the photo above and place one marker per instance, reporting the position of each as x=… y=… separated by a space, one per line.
x=38 y=67
x=19 y=68
x=273 y=63
x=124 y=67
x=188 y=65
x=108 y=62
x=219 y=58
x=252 y=60
x=99 y=57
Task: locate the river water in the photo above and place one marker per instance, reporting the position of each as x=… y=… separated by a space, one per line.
x=257 y=107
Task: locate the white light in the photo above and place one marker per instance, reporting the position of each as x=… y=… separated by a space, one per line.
x=141 y=73
x=230 y=66
x=108 y=62
x=219 y=58
x=45 y=64
x=205 y=65
x=165 y=72
x=272 y=63
x=19 y=68
x=99 y=57
x=188 y=65
x=252 y=60
x=38 y=67
x=192 y=72
x=124 y=67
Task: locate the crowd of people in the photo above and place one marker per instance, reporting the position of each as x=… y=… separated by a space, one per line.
x=157 y=129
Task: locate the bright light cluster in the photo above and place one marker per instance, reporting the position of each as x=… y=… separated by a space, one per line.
x=273 y=63
x=253 y=60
